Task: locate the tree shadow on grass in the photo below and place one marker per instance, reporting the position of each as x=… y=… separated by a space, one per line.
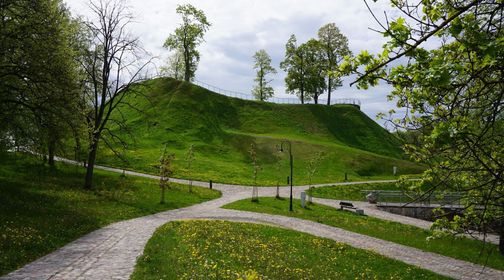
x=35 y=223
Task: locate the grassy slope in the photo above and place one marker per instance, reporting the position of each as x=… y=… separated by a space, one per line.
x=42 y=210
x=463 y=248
x=222 y=129
x=224 y=250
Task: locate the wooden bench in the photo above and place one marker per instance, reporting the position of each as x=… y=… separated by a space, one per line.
x=344 y=204
x=349 y=205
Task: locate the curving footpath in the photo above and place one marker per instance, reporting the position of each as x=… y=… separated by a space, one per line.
x=111 y=252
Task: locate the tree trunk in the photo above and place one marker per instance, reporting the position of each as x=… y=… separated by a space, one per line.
x=77 y=149
x=187 y=74
x=329 y=84
x=261 y=88
x=88 y=184
x=162 y=195
x=302 y=96
x=501 y=244
x=315 y=98
x=501 y=237
x=51 y=147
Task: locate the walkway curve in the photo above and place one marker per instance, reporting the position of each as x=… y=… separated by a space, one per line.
x=369 y=209
x=111 y=252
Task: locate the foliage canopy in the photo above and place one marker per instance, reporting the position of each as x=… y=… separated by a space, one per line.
x=454 y=94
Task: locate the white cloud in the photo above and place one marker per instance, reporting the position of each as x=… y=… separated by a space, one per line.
x=239 y=28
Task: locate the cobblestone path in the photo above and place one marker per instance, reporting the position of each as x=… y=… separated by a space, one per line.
x=111 y=252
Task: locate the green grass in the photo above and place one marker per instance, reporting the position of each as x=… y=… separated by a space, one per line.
x=222 y=130
x=459 y=248
x=225 y=250
x=42 y=209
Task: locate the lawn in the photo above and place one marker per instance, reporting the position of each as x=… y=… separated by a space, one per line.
x=460 y=248
x=43 y=209
x=225 y=250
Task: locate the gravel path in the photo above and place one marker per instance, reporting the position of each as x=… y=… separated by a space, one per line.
x=111 y=252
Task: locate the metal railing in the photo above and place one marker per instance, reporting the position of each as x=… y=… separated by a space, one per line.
x=278 y=100
x=388 y=197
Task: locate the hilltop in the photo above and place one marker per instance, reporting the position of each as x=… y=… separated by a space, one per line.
x=222 y=130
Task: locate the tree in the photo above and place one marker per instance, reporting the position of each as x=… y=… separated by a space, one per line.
x=175 y=66
x=453 y=94
x=278 y=169
x=165 y=171
x=255 y=168
x=304 y=68
x=37 y=74
x=262 y=63
x=295 y=66
x=189 y=160
x=313 y=166
x=315 y=69
x=335 y=46
x=188 y=36
x=114 y=68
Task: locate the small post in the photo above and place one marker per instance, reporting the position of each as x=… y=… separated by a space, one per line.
x=277 y=191
x=255 y=194
x=303 y=199
x=210 y=184
x=346 y=177
x=162 y=195
x=394 y=170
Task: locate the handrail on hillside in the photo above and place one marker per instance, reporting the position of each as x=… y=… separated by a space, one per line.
x=386 y=197
x=278 y=100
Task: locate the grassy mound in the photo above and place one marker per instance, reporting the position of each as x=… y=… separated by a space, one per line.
x=42 y=209
x=224 y=250
x=222 y=129
x=460 y=248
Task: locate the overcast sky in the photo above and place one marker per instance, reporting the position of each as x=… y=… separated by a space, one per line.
x=239 y=28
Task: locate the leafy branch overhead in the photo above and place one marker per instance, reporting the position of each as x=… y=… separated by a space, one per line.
x=452 y=93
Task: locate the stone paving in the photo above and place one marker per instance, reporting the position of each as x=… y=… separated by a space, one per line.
x=111 y=252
